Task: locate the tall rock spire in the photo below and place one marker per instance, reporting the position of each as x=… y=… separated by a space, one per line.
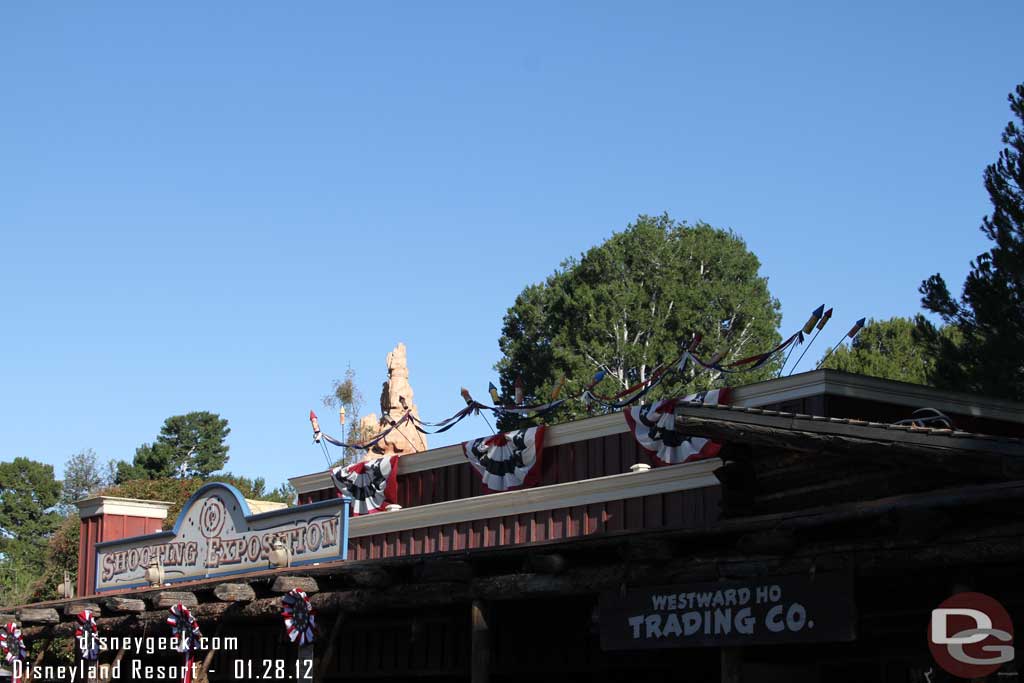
x=396 y=397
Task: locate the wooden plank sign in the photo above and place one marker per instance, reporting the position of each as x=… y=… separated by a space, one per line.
x=784 y=609
x=217 y=535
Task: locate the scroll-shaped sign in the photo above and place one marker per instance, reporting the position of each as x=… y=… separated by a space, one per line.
x=216 y=535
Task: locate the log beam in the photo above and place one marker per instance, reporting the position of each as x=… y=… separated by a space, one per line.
x=167 y=599
x=48 y=615
x=125 y=605
x=283 y=584
x=234 y=592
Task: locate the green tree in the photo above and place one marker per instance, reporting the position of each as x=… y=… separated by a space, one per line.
x=29 y=493
x=82 y=476
x=190 y=445
x=990 y=313
x=889 y=349
x=634 y=302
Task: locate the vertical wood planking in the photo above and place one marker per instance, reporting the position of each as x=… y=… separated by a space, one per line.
x=612 y=455
x=652 y=512
x=595 y=457
x=674 y=510
x=634 y=513
x=614 y=515
x=453 y=480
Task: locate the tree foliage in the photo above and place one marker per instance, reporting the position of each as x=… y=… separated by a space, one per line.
x=634 y=302
x=190 y=445
x=889 y=349
x=29 y=492
x=82 y=477
x=989 y=315
x=177 y=491
x=347 y=397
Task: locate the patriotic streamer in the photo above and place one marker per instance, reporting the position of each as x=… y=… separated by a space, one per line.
x=185 y=630
x=87 y=636
x=299 y=617
x=12 y=646
x=623 y=399
x=507 y=461
x=363 y=446
x=371 y=484
x=654 y=428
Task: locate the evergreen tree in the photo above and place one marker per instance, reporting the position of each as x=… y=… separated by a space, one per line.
x=29 y=493
x=190 y=445
x=888 y=349
x=990 y=313
x=635 y=302
x=82 y=476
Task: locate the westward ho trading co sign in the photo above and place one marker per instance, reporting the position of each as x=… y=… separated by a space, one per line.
x=216 y=535
x=779 y=609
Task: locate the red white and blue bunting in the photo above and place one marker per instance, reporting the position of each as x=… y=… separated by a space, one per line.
x=654 y=428
x=87 y=636
x=371 y=484
x=12 y=646
x=506 y=462
x=185 y=631
x=299 y=617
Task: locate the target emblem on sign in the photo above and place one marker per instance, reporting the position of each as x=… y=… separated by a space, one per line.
x=212 y=517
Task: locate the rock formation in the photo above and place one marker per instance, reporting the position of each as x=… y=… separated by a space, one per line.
x=395 y=398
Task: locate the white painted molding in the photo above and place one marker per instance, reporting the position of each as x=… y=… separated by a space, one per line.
x=836 y=383
x=131 y=507
x=598 y=490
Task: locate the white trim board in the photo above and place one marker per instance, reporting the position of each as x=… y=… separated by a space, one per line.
x=130 y=507
x=836 y=383
x=598 y=490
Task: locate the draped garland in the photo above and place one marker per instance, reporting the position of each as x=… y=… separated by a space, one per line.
x=654 y=428
x=371 y=484
x=507 y=461
x=628 y=396
x=185 y=630
x=299 y=617
x=12 y=645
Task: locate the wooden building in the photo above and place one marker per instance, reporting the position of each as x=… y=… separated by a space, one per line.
x=837 y=528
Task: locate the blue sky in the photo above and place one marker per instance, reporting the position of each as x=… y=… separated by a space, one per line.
x=219 y=206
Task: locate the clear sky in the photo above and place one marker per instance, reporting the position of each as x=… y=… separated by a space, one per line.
x=219 y=206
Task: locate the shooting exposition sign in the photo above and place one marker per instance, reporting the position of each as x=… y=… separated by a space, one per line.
x=785 y=609
x=215 y=535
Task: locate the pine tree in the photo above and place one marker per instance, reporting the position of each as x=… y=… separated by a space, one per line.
x=990 y=313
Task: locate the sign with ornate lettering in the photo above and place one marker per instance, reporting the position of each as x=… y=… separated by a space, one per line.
x=771 y=609
x=216 y=534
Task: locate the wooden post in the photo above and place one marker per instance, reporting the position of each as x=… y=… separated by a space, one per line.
x=117 y=660
x=732 y=664
x=203 y=674
x=306 y=664
x=332 y=646
x=481 y=644
x=38 y=660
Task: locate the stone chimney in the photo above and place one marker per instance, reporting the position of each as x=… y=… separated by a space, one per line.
x=108 y=518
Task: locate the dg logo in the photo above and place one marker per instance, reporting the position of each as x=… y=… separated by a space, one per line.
x=971 y=635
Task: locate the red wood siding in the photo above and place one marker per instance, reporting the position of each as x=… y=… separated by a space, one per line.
x=99 y=529
x=694 y=508
x=559 y=464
